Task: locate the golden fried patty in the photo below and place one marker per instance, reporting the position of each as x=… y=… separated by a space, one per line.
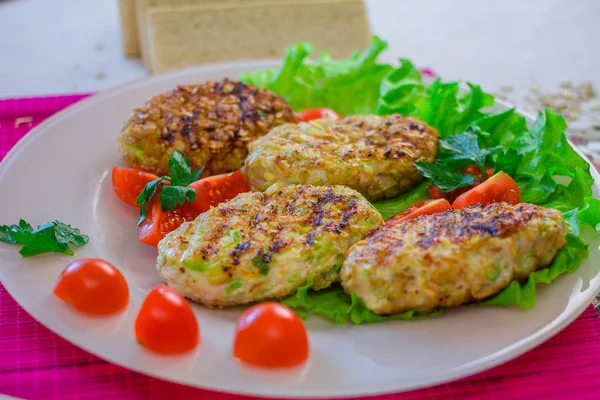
x=373 y=155
x=211 y=123
x=451 y=258
x=262 y=246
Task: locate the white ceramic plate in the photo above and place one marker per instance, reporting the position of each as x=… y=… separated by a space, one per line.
x=61 y=170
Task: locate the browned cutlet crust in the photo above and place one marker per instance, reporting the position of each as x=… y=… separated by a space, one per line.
x=267 y=244
x=374 y=155
x=496 y=220
x=273 y=213
x=453 y=257
x=211 y=123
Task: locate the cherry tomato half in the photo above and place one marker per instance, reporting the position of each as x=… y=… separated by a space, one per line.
x=436 y=193
x=93 y=286
x=166 y=323
x=426 y=207
x=217 y=189
x=500 y=187
x=129 y=183
x=270 y=335
x=316 y=113
x=159 y=223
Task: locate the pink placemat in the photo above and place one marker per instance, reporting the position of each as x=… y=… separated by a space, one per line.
x=37 y=364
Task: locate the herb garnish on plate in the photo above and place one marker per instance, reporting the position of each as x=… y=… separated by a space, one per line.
x=51 y=237
x=177 y=191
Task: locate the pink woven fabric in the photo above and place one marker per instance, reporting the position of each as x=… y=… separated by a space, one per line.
x=37 y=364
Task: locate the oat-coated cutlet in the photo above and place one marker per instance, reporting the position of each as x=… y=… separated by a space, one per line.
x=212 y=123
x=371 y=154
x=453 y=257
x=262 y=246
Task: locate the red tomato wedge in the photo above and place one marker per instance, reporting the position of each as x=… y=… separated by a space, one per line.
x=436 y=193
x=426 y=207
x=129 y=183
x=270 y=335
x=475 y=171
x=217 y=189
x=158 y=222
x=500 y=187
x=316 y=113
x=166 y=323
x=93 y=286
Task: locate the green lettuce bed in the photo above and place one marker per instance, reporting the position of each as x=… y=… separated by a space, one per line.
x=536 y=156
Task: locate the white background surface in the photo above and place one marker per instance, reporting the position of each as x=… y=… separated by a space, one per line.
x=61 y=46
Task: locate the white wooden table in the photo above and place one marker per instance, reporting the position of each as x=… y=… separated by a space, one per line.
x=60 y=46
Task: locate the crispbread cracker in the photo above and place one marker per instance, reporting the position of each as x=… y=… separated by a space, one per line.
x=143 y=6
x=191 y=35
x=129 y=31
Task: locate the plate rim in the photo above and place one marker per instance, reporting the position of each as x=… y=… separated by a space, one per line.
x=527 y=343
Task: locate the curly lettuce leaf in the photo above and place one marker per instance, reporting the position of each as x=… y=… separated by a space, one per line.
x=350 y=87
x=588 y=213
x=508 y=161
x=334 y=304
x=402 y=91
x=442 y=105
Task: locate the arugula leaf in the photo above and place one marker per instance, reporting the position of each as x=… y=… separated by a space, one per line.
x=443 y=177
x=173 y=196
x=389 y=208
x=463 y=149
x=49 y=237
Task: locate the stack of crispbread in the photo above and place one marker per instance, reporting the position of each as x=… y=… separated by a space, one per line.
x=171 y=34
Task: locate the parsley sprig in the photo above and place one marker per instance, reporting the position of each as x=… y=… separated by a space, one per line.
x=443 y=177
x=458 y=151
x=463 y=149
x=177 y=192
x=51 y=237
